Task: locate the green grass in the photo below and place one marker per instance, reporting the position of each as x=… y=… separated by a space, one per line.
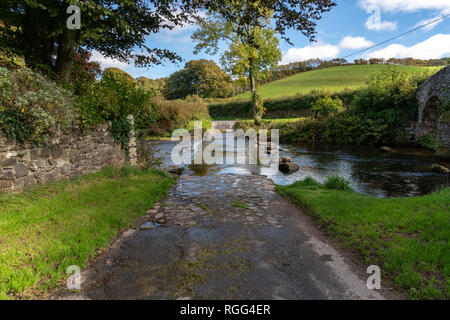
x=334 y=80
x=206 y=124
x=239 y=205
x=408 y=237
x=47 y=229
x=266 y=120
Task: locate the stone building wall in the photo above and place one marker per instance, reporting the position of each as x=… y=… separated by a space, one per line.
x=66 y=156
x=443 y=133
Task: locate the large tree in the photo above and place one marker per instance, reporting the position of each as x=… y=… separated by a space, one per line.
x=251 y=54
x=118 y=29
x=246 y=26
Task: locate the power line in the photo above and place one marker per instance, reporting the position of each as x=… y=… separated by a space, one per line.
x=379 y=44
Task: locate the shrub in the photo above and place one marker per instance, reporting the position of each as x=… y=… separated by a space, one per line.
x=327 y=106
x=115 y=96
x=33 y=107
x=338 y=183
x=170 y=114
x=286 y=107
x=429 y=141
x=390 y=97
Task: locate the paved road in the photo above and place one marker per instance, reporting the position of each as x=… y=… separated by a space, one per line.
x=223 y=237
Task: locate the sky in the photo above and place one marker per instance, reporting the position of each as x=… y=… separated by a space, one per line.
x=349 y=27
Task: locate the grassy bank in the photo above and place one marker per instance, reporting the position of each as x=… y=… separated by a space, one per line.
x=408 y=238
x=47 y=229
x=333 y=80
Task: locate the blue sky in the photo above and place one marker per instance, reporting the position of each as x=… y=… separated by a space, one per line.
x=351 y=26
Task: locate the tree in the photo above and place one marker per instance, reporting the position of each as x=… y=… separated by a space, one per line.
x=118 y=29
x=199 y=77
x=154 y=86
x=253 y=46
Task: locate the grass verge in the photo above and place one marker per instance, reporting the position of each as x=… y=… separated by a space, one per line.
x=407 y=237
x=47 y=229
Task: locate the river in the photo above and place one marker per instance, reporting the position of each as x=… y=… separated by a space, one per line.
x=402 y=174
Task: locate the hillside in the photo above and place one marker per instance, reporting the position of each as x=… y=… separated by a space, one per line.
x=334 y=79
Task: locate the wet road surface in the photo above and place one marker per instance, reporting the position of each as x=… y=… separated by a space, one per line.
x=223 y=237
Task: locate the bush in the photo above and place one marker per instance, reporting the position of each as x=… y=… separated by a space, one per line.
x=115 y=96
x=33 y=107
x=327 y=106
x=286 y=107
x=169 y=115
x=338 y=183
x=430 y=141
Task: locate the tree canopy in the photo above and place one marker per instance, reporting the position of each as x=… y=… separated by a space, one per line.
x=118 y=29
x=199 y=77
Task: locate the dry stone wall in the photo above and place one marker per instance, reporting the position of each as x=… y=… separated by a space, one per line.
x=66 y=156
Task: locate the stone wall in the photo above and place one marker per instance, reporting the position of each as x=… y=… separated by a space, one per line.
x=66 y=156
x=443 y=133
x=430 y=94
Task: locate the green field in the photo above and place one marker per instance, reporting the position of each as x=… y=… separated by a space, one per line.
x=334 y=79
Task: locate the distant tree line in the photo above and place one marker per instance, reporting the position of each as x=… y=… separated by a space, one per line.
x=405 y=62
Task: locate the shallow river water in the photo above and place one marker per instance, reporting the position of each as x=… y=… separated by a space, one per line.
x=372 y=172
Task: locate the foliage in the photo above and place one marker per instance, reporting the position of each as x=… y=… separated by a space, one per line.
x=295 y=106
x=430 y=141
x=389 y=96
x=84 y=72
x=406 y=237
x=115 y=96
x=37 y=30
x=200 y=77
x=120 y=131
x=325 y=107
x=168 y=115
x=258 y=104
x=155 y=87
x=337 y=183
x=33 y=107
x=10 y=60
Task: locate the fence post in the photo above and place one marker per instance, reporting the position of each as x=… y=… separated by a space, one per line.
x=132 y=147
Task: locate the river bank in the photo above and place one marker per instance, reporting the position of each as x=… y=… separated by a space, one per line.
x=407 y=238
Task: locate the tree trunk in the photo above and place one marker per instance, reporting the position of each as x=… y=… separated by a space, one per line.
x=256 y=114
x=65 y=55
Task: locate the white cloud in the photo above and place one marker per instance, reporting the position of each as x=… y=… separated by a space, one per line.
x=354 y=43
x=319 y=51
x=430 y=26
x=435 y=47
x=108 y=62
x=406 y=5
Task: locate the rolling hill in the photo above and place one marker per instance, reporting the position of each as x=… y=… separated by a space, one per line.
x=334 y=79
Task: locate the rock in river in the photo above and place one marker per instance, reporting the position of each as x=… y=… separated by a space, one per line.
x=440 y=169
x=288 y=167
x=174 y=170
x=387 y=149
